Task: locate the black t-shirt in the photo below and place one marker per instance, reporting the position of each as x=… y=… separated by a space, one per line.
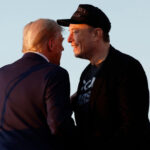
x=82 y=109
x=86 y=85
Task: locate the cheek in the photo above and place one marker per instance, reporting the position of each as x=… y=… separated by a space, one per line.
x=77 y=39
x=80 y=39
x=58 y=47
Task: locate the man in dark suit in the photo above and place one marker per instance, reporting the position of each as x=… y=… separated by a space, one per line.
x=112 y=100
x=35 y=112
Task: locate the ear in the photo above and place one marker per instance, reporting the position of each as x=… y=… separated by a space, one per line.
x=97 y=34
x=50 y=44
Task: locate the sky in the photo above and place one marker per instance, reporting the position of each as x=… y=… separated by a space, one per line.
x=130 y=20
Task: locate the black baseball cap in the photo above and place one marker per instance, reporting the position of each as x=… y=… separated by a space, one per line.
x=90 y=15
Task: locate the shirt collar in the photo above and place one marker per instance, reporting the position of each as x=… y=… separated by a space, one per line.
x=40 y=54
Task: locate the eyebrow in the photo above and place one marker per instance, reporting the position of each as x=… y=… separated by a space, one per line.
x=73 y=29
x=77 y=28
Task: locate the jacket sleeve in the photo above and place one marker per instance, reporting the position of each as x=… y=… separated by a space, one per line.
x=58 y=105
x=133 y=102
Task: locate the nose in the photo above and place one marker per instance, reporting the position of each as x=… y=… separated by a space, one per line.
x=62 y=48
x=70 y=38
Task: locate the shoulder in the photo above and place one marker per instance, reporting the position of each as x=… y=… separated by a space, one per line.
x=121 y=60
x=55 y=71
x=59 y=69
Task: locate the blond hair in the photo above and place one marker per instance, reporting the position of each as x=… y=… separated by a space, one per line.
x=37 y=33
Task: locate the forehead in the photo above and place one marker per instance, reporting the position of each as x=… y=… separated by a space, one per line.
x=79 y=26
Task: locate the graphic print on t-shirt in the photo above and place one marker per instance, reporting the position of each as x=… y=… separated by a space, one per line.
x=84 y=97
x=87 y=83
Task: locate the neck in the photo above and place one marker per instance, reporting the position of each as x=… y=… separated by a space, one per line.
x=101 y=53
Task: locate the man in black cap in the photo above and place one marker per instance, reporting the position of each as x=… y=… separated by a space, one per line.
x=112 y=100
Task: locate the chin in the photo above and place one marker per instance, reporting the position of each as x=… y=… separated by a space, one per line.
x=77 y=53
x=79 y=56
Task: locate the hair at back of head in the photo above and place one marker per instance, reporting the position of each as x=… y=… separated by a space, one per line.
x=37 y=33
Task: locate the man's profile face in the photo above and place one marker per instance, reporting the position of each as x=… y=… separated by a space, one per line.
x=57 y=49
x=81 y=40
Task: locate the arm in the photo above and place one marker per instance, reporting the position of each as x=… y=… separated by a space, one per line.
x=133 y=102
x=58 y=105
x=73 y=96
x=73 y=99
x=133 y=95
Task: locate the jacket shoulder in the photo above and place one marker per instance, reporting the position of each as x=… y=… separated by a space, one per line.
x=54 y=71
x=122 y=60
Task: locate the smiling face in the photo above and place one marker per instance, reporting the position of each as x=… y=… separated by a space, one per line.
x=81 y=40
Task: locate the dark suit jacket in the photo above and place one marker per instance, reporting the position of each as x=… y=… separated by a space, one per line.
x=119 y=102
x=35 y=107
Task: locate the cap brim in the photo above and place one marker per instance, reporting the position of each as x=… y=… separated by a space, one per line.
x=67 y=22
x=64 y=22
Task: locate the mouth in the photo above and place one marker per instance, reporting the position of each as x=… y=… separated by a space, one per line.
x=74 y=46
